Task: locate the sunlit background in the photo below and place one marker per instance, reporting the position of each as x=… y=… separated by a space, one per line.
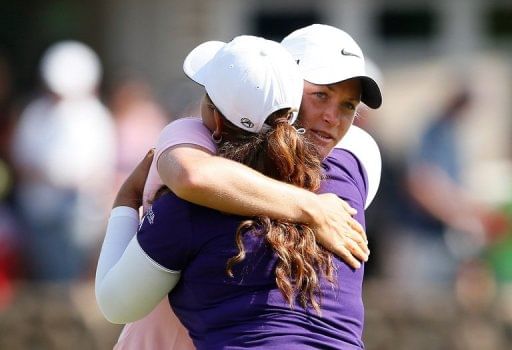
x=440 y=270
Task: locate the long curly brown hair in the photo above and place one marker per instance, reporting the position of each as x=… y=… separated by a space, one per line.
x=284 y=154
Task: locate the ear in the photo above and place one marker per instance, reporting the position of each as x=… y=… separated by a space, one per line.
x=219 y=122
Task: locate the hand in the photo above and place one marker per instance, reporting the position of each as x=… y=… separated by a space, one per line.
x=130 y=193
x=496 y=224
x=339 y=232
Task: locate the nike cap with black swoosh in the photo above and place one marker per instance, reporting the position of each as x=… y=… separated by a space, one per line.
x=247 y=79
x=328 y=55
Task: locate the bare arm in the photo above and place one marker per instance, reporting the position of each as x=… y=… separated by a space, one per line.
x=445 y=200
x=215 y=182
x=232 y=187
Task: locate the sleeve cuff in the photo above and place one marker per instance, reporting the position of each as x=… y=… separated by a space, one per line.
x=124 y=211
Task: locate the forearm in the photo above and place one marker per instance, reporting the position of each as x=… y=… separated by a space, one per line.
x=231 y=187
x=439 y=196
x=128 y=285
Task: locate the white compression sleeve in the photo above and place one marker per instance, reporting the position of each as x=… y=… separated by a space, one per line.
x=128 y=283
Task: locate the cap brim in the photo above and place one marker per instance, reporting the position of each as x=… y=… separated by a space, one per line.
x=198 y=58
x=370 y=95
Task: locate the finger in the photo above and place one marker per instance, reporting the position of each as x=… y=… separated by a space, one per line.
x=356 y=226
x=357 y=252
x=362 y=246
x=348 y=249
x=347 y=257
x=149 y=157
x=357 y=238
x=348 y=208
x=339 y=202
x=145 y=164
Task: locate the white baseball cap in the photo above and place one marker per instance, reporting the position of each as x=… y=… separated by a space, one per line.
x=247 y=79
x=327 y=55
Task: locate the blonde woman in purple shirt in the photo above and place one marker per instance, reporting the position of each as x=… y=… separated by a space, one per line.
x=343 y=174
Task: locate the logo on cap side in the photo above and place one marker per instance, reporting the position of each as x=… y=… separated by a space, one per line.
x=348 y=53
x=247 y=123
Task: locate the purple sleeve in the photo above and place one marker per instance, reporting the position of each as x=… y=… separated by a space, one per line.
x=165 y=232
x=346 y=178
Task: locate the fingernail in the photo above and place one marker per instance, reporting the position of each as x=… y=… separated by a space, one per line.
x=358 y=265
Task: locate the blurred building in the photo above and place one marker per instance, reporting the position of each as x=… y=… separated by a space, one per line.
x=423 y=48
x=154 y=37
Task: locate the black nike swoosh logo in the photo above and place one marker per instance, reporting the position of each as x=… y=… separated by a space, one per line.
x=347 y=53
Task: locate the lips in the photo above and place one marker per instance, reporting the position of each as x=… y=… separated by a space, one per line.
x=322 y=135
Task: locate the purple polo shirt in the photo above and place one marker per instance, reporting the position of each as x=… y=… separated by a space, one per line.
x=248 y=311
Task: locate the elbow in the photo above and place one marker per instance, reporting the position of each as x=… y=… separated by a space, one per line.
x=116 y=316
x=112 y=308
x=189 y=182
x=185 y=173
x=112 y=317
x=111 y=314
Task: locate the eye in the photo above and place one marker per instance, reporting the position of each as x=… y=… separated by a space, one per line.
x=320 y=95
x=350 y=106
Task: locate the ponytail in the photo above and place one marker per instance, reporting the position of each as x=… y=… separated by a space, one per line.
x=285 y=155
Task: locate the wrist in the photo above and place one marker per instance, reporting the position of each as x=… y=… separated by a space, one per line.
x=131 y=200
x=118 y=211
x=126 y=203
x=310 y=208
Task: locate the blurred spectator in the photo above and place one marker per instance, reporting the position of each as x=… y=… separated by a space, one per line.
x=139 y=119
x=499 y=254
x=64 y=149
x=444 y=225
x=8 y=228
x=7 y=124
x=9 y=255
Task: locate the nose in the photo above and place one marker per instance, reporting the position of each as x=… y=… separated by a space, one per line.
x=331 y=116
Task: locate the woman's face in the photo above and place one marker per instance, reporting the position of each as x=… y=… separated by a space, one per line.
x=327 y=111
x=207 y=108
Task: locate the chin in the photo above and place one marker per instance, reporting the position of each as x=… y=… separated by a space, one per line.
x=323 y=151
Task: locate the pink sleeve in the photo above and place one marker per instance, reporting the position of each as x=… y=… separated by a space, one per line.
x=182 y=131
x=161 y=329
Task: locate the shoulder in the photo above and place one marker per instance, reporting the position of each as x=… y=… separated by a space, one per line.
x=185 y=131
x=344 y=175
x=165 y=230
x=185 y=123
x=167 y=209
x=173 y=230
